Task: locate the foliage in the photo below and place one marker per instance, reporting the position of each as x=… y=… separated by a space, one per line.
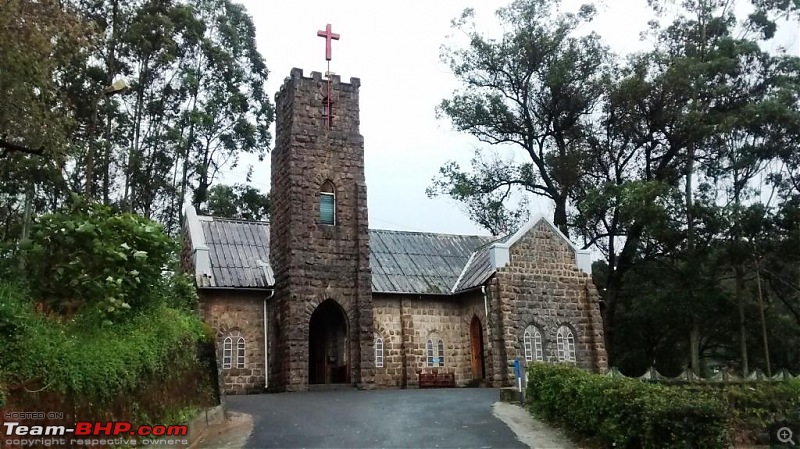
x=194 y=104
x=102 y=265
x=230 y=111
x=37 y=115
x=658 y=161
x=532 y=89
x=98 y=363
x=626 y=413
x=32 y=58
x=238 y=201
x=756 y=407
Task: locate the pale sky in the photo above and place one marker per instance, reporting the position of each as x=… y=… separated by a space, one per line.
x=394 y=48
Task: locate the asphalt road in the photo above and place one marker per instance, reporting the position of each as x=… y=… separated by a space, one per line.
x=445 y=418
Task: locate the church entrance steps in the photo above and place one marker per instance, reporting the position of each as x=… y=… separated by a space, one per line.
x=331 y=387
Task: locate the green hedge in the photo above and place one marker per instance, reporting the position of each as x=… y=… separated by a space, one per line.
x=626 y=413
x=755 y=406
x=93 y=264
x=45 y=353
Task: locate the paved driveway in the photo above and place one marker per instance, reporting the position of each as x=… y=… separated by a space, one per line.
x=445 y=418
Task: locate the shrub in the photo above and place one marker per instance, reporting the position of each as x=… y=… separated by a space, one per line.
x=96 y=364
x=626 y=413
x=92 y=261
x=756 y=405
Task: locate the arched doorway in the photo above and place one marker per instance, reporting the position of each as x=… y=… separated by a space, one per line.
x=476 y=348
x=328 y=358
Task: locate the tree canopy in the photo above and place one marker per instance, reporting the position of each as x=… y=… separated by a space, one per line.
x=675 y=164
x=194 y=103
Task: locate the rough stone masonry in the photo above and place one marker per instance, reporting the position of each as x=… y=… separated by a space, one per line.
x=327 y=300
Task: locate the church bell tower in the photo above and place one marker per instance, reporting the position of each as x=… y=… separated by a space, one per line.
x=321 y=318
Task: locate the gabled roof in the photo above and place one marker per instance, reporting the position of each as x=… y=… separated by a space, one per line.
x=235 y=254
x=239 y=252
x=479 y=268
x=419 y=262
x=499 y=253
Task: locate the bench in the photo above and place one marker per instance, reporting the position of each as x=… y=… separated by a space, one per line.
x=437 y=380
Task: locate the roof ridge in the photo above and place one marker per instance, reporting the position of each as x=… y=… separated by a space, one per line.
x=235 y=220
x=463 y=270
x=428 y=233
x=493 y=241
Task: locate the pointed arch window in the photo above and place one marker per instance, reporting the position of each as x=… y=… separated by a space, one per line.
x=227 y=351
x=565 y=341
x=435 y=352
x=240 y=352
x=429 y=347
x=233 y=357
x=532 y=342
x=327 y=204
x=378 y=352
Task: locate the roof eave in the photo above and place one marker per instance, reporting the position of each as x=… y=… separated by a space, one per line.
x=263 y=289
x=456 y=293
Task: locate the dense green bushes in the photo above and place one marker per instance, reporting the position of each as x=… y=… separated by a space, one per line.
x=630 y=413
x=43 y=352
x=626 y=413
x=92 y=262
x=98 y=324
x=148 y=369
x=754 y=406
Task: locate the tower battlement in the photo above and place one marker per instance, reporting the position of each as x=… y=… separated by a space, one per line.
x=306 y=102
x=296 y=75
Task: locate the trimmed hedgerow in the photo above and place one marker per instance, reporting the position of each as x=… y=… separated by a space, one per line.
x=754 y=406
x=626 y=413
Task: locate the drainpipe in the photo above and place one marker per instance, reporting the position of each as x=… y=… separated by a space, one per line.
x=485 y=304
x=263 y=265
x=403 y=356
x=266 y=342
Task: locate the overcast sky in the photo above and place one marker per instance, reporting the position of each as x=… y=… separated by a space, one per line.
x=394 y=48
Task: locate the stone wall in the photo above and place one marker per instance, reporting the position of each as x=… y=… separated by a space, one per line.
x=238 y=313
x=406 y=322
x=312 y=261
x=543 y=286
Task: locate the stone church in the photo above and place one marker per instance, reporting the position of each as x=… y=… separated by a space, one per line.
x=317 y=297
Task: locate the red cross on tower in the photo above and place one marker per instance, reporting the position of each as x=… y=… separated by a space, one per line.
x=328 y=35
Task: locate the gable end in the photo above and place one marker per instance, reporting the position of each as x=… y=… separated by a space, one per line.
x=500 y=253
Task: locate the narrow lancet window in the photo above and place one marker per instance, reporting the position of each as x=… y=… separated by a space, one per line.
x=327 y=204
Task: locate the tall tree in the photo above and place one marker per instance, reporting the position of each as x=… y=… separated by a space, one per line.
x=195 y=102
x=702 y=80
x=533 y=88
x=229 y=112
x=39 y=40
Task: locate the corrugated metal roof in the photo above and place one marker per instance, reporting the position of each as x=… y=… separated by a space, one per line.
x=479 y=268
x=239 y=252
x=401 y=262
x=419 y=262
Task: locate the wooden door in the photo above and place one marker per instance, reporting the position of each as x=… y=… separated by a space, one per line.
x=476 y=348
